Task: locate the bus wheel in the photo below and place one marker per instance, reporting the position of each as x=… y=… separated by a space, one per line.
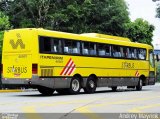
x=139 y=86
x=114 y=88
x=90 y=86
x=62 y=91
x=75 y=85
x=45 y=91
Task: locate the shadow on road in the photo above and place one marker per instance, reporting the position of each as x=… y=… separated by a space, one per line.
x=37 y=94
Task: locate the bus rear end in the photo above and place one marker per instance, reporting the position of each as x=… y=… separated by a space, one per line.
x=17 y=57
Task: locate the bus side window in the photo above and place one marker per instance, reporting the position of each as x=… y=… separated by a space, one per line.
x=116 y=51
x=85 y=47
x=139 y=54
x=44 y=44
x=56 y=45
x=92 y=49
x=67 y=46
x=66 y=50
x=108 y=50
x=76 y=47
x=101 y=49
x=142 y=54
x=129 y=52
x=134 y=53
x=124 y=52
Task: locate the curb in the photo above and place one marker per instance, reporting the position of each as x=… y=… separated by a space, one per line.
x=8 y=91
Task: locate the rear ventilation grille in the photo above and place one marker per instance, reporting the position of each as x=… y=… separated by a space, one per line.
x=46 y=72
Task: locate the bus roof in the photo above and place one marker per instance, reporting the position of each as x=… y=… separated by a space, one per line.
x=106 y=36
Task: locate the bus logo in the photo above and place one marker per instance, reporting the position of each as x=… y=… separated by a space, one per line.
x=69 y=68
x=19 y=42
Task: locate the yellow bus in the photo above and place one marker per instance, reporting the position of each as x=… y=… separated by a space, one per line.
x=67 y=62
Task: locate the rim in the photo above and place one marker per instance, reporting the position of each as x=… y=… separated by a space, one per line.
x=75 y=85
x=91 y=84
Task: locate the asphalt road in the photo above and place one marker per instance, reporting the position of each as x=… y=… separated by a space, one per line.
x=103 y=101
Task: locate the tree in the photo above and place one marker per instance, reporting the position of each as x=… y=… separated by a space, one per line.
x=4 y=25
x=4 y=21
x=26 y=13
x=140 y=31
x=77 y=16
x=103 y=16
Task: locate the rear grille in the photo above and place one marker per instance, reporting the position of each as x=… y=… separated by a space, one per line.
x=46 y=72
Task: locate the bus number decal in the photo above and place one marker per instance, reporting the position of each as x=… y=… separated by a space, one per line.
x=128 y=65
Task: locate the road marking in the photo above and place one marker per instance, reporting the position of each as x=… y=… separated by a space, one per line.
x=88 y=107
x=85 y=110
x=122 y=102
x=32 y=108
x=141 y=108
x=89 y=114
x=32 y=116
x=10 y=91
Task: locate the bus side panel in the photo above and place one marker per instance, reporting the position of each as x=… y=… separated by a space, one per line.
x=120 y=73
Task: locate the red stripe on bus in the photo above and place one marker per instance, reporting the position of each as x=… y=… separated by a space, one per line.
x=137 y=73
x=69 y=67
x=65 y=66
x=72 y=70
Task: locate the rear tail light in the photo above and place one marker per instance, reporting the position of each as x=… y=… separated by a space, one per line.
x=34 y=68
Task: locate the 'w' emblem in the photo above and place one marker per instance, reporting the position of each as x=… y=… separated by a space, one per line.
x=19 y=42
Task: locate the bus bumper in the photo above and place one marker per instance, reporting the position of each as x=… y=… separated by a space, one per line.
x=47 y=82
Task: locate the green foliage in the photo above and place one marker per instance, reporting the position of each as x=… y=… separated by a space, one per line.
x=77 y=16
x=107 y=16
x=4 y=21
x=140 y=31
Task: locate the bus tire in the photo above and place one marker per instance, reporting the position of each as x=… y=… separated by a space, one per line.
x=45 y=91
x=75 y=85
x=62 y=91
x=114 y=88
x=139 y=86
x=90 y=85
